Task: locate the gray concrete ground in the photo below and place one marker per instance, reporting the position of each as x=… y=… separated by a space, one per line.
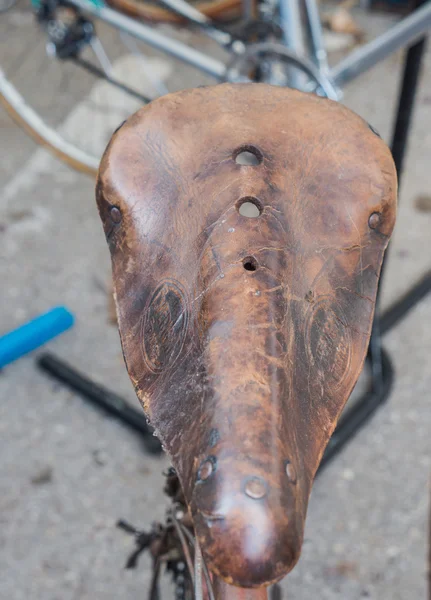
x=67 y=473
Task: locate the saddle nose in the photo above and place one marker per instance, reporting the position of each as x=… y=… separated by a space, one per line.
x=246 y=521
x=247 y=499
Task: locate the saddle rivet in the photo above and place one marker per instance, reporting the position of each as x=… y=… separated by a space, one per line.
x=255 y=488
x=231 y=230
x=115 y=215
x=206 y=469
x=374 y=220
x=290 y=472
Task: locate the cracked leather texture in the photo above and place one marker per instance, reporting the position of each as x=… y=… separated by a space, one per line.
x=244 y=373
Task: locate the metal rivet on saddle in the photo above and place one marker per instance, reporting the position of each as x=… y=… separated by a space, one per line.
x=290 y=472
x=374 y=220
x=115 y=214
x=255 y=488
x=207 y=468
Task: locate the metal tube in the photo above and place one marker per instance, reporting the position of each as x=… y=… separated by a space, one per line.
x=406 y=103
x=224 y=591
x=97 y=394
x=153 y=38
x=293 y=36
x=412 y=68
x=291 y=23
x=402 y=34
x=188 y=11
x=193 y=15
x=247 y=10
x=316 y=35
x=361 y=412
x=401 y=307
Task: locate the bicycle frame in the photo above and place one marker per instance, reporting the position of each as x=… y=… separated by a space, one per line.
x=301 y=47
x=302 y=35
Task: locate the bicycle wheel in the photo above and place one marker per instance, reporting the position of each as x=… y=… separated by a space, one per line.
x=72 y=105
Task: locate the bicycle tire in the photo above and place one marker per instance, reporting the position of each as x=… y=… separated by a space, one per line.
x=43 y=135
x=71 y=106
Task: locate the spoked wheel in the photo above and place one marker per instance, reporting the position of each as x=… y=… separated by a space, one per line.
x=58 y=83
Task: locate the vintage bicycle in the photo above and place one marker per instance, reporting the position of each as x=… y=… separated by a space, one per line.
x=243 y=492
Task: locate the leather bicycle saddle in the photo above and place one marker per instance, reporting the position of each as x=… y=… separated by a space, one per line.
x=244 y=333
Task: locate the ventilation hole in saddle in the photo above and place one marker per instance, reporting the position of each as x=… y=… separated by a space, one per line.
x=250 y=263
x=249 y=207
x=248 y=156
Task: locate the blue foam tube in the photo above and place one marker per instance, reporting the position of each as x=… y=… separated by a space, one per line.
x=33 y=334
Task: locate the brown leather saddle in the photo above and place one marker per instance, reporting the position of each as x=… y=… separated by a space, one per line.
x=247 y=226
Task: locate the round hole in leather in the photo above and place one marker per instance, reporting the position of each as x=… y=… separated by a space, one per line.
x=250 y=263
x=248 y=156
x=250 y=207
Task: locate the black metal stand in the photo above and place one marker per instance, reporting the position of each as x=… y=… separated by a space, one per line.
x=110 y=402
x=378 y=361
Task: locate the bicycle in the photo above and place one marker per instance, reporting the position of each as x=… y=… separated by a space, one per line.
x=265 y=61
x=273 y=42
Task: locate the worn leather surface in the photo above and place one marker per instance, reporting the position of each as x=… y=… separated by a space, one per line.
x=244 y=373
